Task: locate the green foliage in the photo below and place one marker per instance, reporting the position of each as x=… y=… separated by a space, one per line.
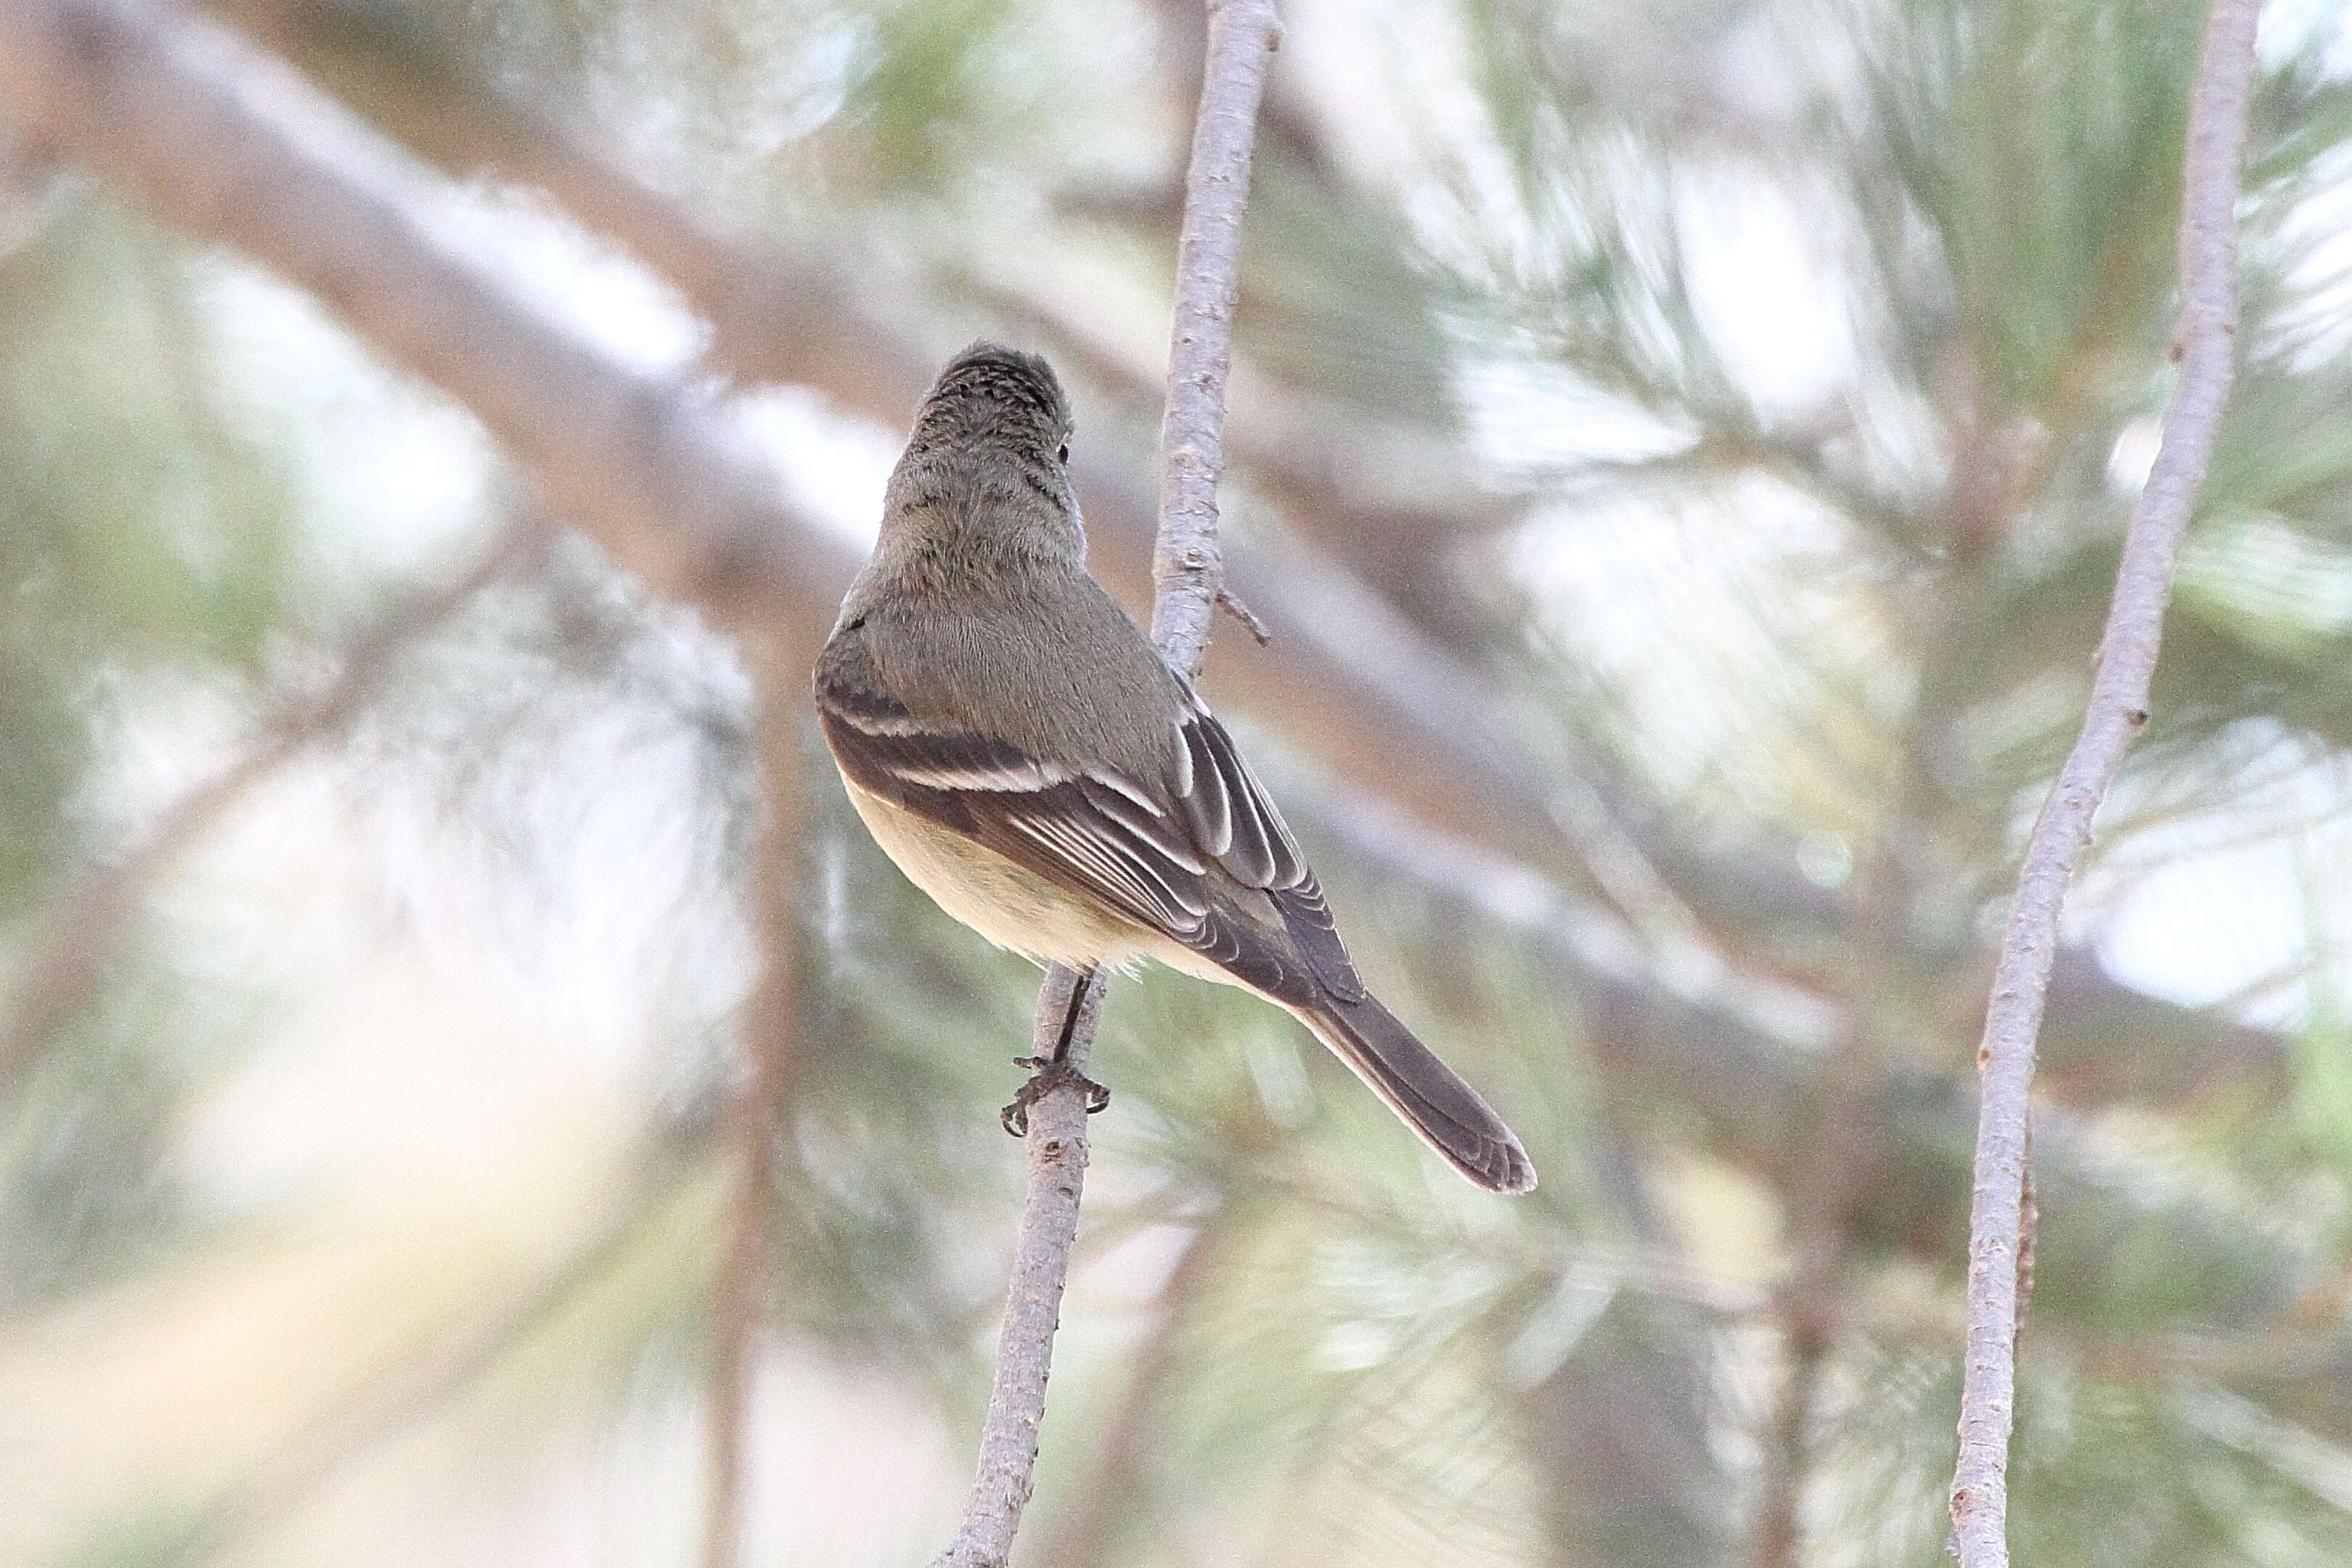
x=139 y=530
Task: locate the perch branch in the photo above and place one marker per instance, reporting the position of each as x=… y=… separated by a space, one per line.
x=2206 y=349
x=1187 y=571
x=1033 y=1304
x=1188 y=574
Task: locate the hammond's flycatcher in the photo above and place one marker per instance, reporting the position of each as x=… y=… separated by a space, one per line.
x=1015 y=744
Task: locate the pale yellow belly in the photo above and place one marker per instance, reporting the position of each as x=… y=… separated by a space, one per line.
x=1011 y=906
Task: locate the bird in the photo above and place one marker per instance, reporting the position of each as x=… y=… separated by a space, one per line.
x=1015 y=744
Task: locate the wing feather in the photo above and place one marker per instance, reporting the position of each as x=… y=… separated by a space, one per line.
x=1201 y=791
x=1260 y=851
x=1143 y=846
x=1097 y=839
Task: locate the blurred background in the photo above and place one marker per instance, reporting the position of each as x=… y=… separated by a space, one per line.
x=471 y=1093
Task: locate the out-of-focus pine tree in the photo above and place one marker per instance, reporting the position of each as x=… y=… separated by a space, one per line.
x=1740 y=404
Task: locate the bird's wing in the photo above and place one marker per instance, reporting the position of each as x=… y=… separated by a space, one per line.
x=1235 y=822
x=1154 y=850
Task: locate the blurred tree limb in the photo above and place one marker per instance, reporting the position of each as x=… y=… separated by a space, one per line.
x=1189 y=579
x=226 y=143
x=73 y=953
x=2001 y=1245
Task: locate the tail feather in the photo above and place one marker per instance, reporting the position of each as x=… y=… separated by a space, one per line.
x=1428 y=1095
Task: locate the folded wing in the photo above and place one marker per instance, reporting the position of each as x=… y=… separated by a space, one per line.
x=1169 y=853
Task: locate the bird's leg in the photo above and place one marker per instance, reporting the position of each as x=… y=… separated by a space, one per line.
x=1048 y=1073
x=1078 y=989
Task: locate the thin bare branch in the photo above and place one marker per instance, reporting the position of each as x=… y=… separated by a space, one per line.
x=72 y=954
x=1230 y=602
x=1188 y=569
x=2206 y=349
x=1032 y=1307
x=1188 y=573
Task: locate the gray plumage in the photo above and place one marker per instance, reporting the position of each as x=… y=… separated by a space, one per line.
x=1015 y=744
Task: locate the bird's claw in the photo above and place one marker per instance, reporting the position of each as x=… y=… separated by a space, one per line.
x=1046 y=1076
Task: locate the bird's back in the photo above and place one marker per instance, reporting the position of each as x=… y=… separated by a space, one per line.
x=1045 y=640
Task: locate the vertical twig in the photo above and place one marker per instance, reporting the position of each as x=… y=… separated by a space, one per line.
x=755 y=1116
x=1187 y=567
x=2206 y=350
x=1189 y=577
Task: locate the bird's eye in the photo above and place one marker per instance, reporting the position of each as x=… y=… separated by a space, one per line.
x=1065 y=454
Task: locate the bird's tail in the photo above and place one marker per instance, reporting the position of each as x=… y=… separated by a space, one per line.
x=1431 y=1097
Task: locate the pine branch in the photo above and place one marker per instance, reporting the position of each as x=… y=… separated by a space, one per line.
x=73 y=953
x=2206 y=349
x=1188 y=572
x=225 y=142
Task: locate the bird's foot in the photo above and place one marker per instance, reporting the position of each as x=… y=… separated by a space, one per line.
x=1046 y=1075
